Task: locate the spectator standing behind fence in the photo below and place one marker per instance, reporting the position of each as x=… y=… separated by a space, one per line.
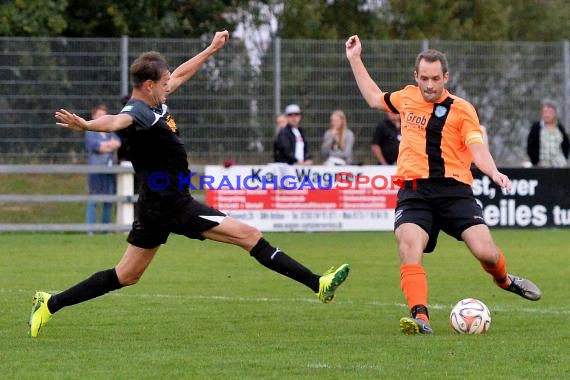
x=101 y=151
x=547 y=144
x=386 y=140
x=290 y=145
x=337 y=141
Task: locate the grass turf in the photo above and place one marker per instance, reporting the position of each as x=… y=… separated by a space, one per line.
x=208 y=310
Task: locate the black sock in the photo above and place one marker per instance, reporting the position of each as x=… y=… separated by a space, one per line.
x=278 y=261
x=94 y=286
x=419 y=309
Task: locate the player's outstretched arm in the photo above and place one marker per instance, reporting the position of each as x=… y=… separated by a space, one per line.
x=484 y=161
x=107 y=123
x=368 y=88
x=187 y=70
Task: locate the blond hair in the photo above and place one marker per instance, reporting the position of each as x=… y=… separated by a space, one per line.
x=343 y=127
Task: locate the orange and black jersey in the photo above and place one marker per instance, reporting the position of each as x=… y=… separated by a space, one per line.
x=435 y=136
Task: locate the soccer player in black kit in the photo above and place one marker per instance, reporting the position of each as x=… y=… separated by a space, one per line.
x=151 y=138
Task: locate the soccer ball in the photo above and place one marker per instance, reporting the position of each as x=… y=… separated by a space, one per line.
x=470 y=316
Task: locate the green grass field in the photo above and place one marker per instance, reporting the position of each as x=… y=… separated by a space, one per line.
x=206 y=310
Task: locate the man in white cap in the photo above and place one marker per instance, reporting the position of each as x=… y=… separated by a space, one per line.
x=290 y=145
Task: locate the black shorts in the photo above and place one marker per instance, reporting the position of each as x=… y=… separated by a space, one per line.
x=438 y=204
x=189 y=218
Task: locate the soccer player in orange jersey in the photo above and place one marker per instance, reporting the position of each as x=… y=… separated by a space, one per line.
x=441 y=137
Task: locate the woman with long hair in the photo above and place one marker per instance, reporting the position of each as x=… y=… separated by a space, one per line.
x=337 y=141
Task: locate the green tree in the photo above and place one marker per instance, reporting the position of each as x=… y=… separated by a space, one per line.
x=544 y=20
x=316 y=19
x=479 y=20
x=448 y=19
x=32 y=17
x=146 y=18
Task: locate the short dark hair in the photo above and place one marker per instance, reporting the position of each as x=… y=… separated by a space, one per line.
x=432 y=55
x=150 y=65
x=98 y=107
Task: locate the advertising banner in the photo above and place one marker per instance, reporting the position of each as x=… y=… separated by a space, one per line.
x=279 y=197
x=538 y=198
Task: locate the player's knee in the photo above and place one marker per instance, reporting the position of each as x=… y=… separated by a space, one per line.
x=410 y=250
x=252 y=234
x=486 y=251
x=248 y=236
x=489 y=255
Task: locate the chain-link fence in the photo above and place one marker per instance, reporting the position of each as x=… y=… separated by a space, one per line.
x=227 y=110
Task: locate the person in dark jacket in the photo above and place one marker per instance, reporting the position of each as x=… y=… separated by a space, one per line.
x=290 y=145
x=548 y=145
x=386 y=140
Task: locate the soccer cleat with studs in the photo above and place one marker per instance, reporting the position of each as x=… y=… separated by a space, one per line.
x=524 y=288
x=330 y=281
x=40 y=314
x=413 y=326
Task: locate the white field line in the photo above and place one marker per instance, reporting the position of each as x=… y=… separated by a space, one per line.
x=533 y=310
x=364 y=366
x=530 y=310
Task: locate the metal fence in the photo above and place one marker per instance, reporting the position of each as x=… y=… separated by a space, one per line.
x=227 y=110
x=124 y=198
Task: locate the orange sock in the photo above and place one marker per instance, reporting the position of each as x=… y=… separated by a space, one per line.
x=498 y=271
x=414 y=285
